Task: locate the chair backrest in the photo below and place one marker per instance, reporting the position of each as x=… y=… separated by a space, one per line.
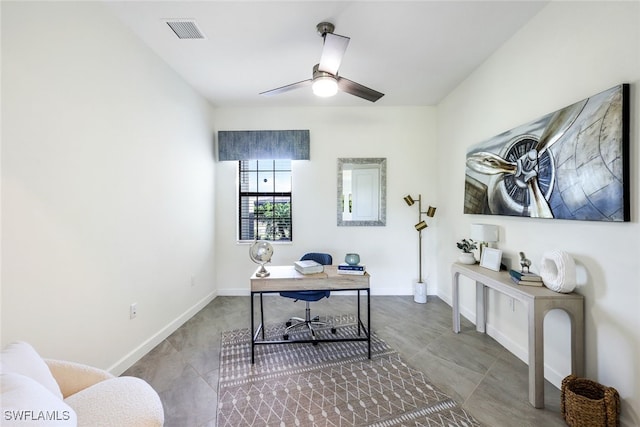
x=320 y=258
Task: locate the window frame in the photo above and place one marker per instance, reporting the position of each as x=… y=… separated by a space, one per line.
x=253 y=167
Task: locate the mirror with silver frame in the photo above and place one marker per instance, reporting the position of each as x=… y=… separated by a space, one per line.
x=362 y=192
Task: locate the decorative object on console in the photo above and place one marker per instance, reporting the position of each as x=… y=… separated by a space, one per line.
x=420 y=294
x=491 y=259
x=517 y=173
x=352 y=259
x=558 y=271
x=526 y=283
x=466 y=246
x=484 y=234
x=261 y=252
x=466 y=258
x=528 y=279
x=524 y=263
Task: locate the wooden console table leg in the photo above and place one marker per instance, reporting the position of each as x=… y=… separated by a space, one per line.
x=481 y=305
x=536 y=312
x=455 y=302
x=576 y=313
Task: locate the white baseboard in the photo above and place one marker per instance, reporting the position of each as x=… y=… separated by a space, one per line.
x=136 y=354
x=445 y=298
x=233 y=292
x=432 y=289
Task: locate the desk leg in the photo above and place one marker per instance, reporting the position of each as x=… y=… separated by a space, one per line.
x=481 y=306
x=261 y=315
x=455 y=302
x=358 y=312
x=252 y=330
x=536 y=314
x=369 y=320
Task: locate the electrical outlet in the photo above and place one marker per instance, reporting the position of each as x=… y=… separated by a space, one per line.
x=133 y=310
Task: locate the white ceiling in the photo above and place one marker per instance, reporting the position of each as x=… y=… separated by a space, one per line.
x=415 y=52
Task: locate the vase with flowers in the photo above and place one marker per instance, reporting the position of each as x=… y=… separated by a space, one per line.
x=466 y=246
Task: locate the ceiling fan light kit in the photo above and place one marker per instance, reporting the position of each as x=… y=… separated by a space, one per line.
x=324 y=84
x=325 y=87
x=325 y=81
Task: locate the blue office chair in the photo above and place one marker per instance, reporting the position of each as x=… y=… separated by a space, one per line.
x=308 y=296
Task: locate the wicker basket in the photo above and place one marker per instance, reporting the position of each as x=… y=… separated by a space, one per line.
x=585 y=403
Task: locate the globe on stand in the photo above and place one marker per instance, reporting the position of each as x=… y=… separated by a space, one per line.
x=260 y=253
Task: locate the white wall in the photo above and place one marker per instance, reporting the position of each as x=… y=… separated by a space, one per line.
x=570 y=51
x=107 y=187
x=405 y=136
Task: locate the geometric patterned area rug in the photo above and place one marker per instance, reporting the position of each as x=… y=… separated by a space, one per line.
x=329 y=384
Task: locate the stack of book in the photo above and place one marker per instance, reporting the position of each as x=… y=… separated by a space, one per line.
x=308 y=267
x=345 y=268
x=528 y=279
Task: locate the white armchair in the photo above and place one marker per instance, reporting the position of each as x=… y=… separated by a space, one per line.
x=39 y=391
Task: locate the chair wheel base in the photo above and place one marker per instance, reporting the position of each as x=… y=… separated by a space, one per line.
x=288 y=324
x=333 y=330
x=285 y=337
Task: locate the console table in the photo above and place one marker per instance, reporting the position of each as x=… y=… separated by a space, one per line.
x=538 y=301
x=286 y=278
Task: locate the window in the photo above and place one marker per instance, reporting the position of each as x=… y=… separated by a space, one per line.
x=264 y=198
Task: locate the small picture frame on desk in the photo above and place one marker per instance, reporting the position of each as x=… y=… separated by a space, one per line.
x=491 y=259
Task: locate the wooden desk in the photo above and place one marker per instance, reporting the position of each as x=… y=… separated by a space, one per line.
x=286 y=278
x=538 y=301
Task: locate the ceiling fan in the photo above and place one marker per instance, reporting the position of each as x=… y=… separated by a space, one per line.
x=325 y=80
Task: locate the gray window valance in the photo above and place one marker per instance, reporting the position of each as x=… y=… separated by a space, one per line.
x=263 y=144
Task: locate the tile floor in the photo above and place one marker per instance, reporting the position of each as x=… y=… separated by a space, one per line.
x=472 y=368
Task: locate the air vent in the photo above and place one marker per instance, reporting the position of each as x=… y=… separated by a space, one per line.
x=185 y=28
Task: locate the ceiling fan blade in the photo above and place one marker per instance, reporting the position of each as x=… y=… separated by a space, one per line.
x=332 y=52
x=358 y=90
x=286 y=88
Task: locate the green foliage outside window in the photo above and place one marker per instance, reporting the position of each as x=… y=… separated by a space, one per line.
x=274 y=220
